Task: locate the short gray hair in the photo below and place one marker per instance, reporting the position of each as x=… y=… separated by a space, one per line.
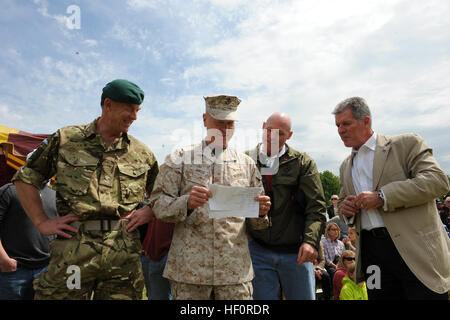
x=358 y=105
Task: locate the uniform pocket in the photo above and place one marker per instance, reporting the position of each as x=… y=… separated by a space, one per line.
x=240 y=182
x=197 y=175
x=132 y=182
x=132 y=241
x=75 y=171
x=64 y=250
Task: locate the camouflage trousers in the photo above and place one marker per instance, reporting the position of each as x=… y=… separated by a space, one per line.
x=93 y=264
x=186 y=291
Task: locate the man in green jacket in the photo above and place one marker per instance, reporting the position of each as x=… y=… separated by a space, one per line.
x=282 y=254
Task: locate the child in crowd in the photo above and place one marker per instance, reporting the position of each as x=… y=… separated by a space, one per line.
x=350 y=289
x=347 y=258
x=350 y=242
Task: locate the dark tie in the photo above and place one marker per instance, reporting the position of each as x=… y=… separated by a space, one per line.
x=354 y=153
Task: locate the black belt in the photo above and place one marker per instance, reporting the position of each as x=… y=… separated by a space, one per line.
x=380 y=233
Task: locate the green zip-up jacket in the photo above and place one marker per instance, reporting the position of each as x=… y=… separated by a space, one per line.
x=298 y=211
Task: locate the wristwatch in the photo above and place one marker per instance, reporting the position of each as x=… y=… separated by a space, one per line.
x=381 y=195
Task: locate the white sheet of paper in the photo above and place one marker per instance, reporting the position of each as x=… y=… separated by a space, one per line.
x=230 y=201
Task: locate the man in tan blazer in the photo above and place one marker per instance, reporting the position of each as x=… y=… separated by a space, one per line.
x=388 y=187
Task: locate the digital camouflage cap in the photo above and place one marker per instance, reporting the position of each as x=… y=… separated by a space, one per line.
x=222 y=107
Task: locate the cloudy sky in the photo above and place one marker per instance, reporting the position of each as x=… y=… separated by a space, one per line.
x=301 y=57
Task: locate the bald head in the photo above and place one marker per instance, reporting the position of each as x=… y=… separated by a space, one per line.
x=278 y=130
x=281 y=120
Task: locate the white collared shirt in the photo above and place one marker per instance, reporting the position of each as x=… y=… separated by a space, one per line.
x=270 y=160
x=362 y=176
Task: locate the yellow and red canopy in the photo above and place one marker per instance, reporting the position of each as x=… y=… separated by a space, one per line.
x=16 y=144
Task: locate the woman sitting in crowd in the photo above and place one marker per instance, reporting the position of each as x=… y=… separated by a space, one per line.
x=332 y=247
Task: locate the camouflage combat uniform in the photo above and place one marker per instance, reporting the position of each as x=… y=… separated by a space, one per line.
x=205 y=252
x=93 y=181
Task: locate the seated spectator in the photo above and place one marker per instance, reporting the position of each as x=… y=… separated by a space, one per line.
x=350 y=289
x=447 y=202
x=333 y=209
x=343 y=227
x=350 y=242
x=322 y=275
x=347 y=258
x=445 y=212
x=332 y=248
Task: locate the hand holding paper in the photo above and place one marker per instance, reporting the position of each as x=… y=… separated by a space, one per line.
x=230 y=201
x=198 y=197
x=264 y=204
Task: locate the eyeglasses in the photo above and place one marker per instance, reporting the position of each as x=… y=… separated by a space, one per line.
x=334 y=199
x=349 y=258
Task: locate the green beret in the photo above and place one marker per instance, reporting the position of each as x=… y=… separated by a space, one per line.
x=123 y=91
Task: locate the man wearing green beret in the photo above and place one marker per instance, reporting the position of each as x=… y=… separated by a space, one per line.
x=102 y=174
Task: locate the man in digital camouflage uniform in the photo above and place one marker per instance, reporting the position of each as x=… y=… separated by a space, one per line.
x=208 y=258
x=102 y=174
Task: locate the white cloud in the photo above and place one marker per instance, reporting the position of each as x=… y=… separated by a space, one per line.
x=43 y=9
x=9 y=116
x=144 y=4
x=304 y=57
x=297 y=56
x=283 y=43
x=91 y=42
x=229 y=4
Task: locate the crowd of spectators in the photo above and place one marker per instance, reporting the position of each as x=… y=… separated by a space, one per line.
x=443 y=208
x=336 y=262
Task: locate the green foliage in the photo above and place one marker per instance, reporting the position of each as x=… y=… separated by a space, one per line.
x=330 y=184
x=448 y=193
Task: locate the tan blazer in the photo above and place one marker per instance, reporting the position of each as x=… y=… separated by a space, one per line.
x=411 y=179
